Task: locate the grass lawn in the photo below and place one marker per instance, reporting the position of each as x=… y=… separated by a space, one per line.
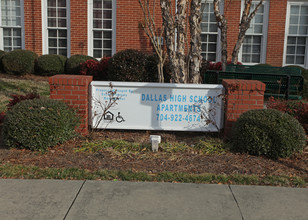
x=11 y=86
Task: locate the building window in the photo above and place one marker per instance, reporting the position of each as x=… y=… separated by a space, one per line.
x=11 y=25
x=101 y=28
x=296 y=34
x=56 y=31
x=209 y=33
x=253 y=50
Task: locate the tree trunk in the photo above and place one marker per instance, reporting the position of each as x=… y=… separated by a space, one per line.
x=154 y=34
x=244 y=25
x=169 y=29
x=195 y=41
x=222 y=25
x=224 y=51
x=181 y=39
x=237 y=47
x=160 y=67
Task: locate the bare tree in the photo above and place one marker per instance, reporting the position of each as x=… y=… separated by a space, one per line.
x=195 y=42
x=155 y=34
x=247 y=16
x=244 y=25
x=175 y=29
x=222 y=25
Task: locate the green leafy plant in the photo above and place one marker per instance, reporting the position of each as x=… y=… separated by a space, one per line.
x=1 y=55
x=128 y=65
x=18 y=98
x=73 y=64
x=51 y=64
x=19 y=62
x=304 y=72
x=268 y=132
x=298 y=109
x=210 y=147
x=151 y=67
x=99 y=70
x=38 y=124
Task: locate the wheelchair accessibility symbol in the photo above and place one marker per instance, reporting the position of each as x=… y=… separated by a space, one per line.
x=119 y=118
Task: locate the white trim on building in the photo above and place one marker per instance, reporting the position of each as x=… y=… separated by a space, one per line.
x=12 y=34
x=101 y=28
x=56 y=35
x=255 y=42
x=296 y=34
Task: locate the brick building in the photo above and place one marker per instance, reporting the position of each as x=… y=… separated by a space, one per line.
x=278 y=34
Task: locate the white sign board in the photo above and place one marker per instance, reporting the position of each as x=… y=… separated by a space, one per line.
x=157 y=106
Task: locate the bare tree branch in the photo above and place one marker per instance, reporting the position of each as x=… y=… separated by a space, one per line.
x=222 y=25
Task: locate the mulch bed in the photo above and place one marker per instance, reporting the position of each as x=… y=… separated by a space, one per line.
x=64 y=156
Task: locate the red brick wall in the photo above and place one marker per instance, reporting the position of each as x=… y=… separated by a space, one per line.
x=232 y=10
x=241 y=96
x=276 y=32
x=33 y=25
x=130 y=35
x=79 y=27
x=73 y=90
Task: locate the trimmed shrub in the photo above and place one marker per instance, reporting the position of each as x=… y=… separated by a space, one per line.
x=51 y=64
x=1 y=55
x=297 y=109
x=38 y=124
x=18 y=98
x=268 y=132
x=264 y=64
x=99 y=70
x=2 y=115
x=19 y=62
x=152 y=69
x=73 y=63
x=303 y=70
x=304 y=93
x=128 y=65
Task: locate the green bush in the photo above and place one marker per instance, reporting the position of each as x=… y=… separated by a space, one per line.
x=128 y=65
x=303 y=70
x=1 y=55
x=2 y=52
x=267 y=132
x=264 y=64
x=152 y=69
x=19 y=62
x=48 y=65
x=304 y=93
x=73 y=64
x=38 y=124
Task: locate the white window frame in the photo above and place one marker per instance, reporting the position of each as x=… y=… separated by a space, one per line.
x=218 y=42
x=296 y=2
x=90 y=27
x=263 y=36
x=22 y=26
x=45 y=27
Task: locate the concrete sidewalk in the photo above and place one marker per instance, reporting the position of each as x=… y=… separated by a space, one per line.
x=58 y=199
